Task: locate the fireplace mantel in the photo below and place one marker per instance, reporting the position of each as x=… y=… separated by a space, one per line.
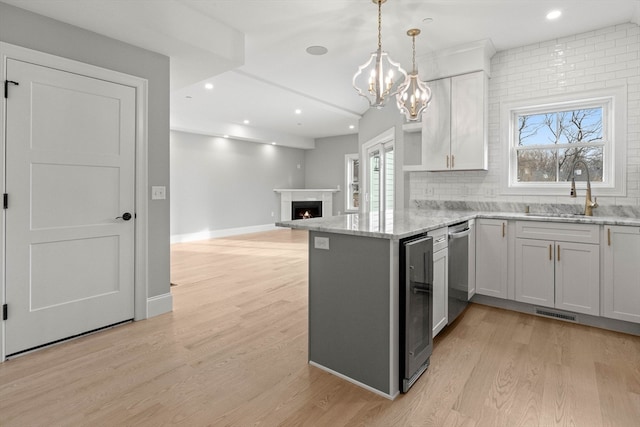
x=288 y=195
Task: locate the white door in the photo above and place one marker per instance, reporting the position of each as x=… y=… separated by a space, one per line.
x=70 y=143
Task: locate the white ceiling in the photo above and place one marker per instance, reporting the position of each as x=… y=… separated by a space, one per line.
x=253 y=51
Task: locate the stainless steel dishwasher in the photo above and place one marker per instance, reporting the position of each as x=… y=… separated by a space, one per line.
x=458 y=269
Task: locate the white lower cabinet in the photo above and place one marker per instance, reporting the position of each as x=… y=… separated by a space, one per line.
x=491 y=257
x=621 y=287
x=440 y=279
x=556 y=273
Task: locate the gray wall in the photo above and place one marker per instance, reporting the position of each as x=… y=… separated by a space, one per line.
x=220 y=183
x=325 y=166
x=33 y=31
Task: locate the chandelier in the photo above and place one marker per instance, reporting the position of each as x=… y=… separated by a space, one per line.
x=413 y=95
x=374 y=80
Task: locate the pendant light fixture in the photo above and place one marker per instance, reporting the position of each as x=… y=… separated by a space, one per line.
x=414 y=94
x=374 y=80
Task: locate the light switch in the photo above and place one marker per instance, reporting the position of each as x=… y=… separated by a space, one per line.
x=321 y=243
x=158 y=192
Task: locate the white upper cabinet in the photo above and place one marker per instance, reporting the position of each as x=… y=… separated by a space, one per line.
x=454 y=127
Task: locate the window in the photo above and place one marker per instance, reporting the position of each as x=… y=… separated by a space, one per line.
x=352 y=187
x=545 y=140
x=548 y=144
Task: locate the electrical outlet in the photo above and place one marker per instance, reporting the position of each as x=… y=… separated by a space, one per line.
x=321 y=243
x=273 y=214
x=158 y=192
x=429 y=191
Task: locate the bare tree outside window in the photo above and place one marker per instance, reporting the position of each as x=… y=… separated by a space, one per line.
x=550 y=143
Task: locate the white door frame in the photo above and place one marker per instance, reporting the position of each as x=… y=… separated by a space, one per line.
x=8 y=51
x=385 y=137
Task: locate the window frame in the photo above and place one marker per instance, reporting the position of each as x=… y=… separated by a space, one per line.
x=614 y=128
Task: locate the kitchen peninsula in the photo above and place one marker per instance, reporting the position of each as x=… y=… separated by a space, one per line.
x=354 y=286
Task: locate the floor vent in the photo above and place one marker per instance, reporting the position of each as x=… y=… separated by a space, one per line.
x=556 y=315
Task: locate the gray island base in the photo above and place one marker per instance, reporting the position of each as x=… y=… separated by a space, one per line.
x=353 y=309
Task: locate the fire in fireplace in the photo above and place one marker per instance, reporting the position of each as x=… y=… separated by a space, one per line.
x=305 y=210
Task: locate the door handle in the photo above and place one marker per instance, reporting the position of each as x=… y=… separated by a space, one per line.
x=558 y=252
x=421 y=290
x=447 y=161
x=550 y=255
x=453 y=161
x=125 y=216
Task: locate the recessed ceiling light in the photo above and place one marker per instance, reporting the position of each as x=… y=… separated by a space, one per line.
x=246 y=122
x=188 y=96
x=225 y=136
x=427 y=20
x=352 y=127
x=554 y=14
x=273 y=143
x=317 y=50
x=208 y=86
x=298 y=111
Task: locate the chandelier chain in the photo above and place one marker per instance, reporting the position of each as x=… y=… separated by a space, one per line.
x=414 y=54
x=379 y=24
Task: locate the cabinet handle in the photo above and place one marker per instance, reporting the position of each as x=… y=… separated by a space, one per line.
x=447 y=161
x=558 y=253
x=550 y=255
x=503 y=231
x=453 y=161
x=609 y=236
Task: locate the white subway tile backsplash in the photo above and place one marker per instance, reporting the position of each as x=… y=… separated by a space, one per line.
x=602 y=58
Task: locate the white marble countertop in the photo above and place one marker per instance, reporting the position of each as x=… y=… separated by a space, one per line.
x=405 y=223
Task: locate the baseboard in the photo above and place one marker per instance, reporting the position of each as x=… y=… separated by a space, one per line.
x=159 y=305
x=212 y=234
x=358 y=383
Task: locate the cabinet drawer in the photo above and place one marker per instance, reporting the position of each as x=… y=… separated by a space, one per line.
x=579 y=233
x=440 y=239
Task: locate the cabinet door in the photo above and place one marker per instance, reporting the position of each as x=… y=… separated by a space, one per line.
x=622 y=273
x=468 y=123
x=491 y=257
x=578 y=277
x=535 y=272
x=440 y=289
x=436 y=127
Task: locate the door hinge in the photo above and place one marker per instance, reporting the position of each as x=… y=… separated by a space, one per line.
x=5 y=201
x=5 y=312
x=6 y=87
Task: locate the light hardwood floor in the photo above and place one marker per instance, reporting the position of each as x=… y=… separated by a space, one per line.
x=234 y=352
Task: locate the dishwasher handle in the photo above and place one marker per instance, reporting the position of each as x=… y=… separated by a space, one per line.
x=459 y=234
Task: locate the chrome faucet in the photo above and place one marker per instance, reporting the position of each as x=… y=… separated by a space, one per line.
x=589 y=205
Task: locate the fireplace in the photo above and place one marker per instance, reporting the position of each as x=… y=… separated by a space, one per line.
x=306 y=209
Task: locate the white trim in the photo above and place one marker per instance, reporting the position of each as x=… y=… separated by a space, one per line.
x=159 y=305
x=142 y=192
x=352 y=381
x=213 y=234
x=617 y=144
